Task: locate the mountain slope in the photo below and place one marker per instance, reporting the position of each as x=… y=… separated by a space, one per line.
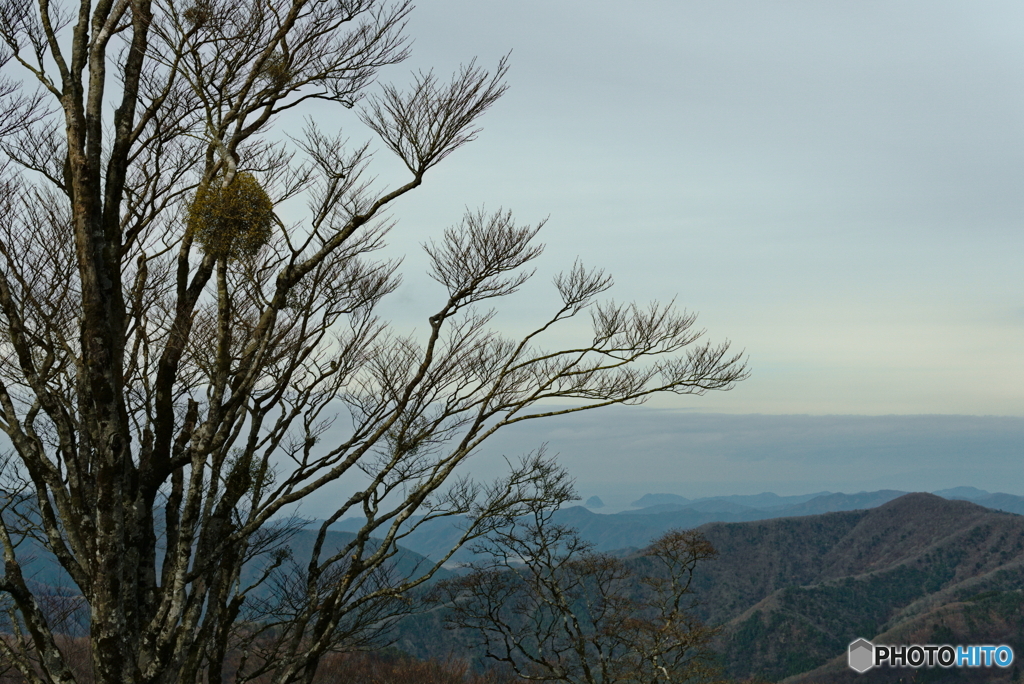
x=793 y=593
x=637 y=528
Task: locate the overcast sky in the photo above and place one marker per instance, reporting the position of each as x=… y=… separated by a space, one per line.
x=836 y=187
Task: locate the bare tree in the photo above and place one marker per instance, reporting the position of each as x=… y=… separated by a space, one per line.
x=544 y=603
x=174 y=352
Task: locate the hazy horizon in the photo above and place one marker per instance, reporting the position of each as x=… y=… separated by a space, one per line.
x=622 y=453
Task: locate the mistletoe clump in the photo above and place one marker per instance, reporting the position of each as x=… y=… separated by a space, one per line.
x=233 y=220
x=277 y=71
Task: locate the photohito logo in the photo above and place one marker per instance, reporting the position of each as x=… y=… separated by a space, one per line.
x=864 y=655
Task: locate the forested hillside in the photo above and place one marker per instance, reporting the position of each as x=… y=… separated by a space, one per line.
x=790 y=594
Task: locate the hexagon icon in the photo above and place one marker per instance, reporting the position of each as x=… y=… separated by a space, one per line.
x=862 y=655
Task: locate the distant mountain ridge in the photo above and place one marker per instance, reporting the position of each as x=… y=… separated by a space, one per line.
x=637 y=528
x=764 y=500
x=659 y=503
x=1011 y=503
